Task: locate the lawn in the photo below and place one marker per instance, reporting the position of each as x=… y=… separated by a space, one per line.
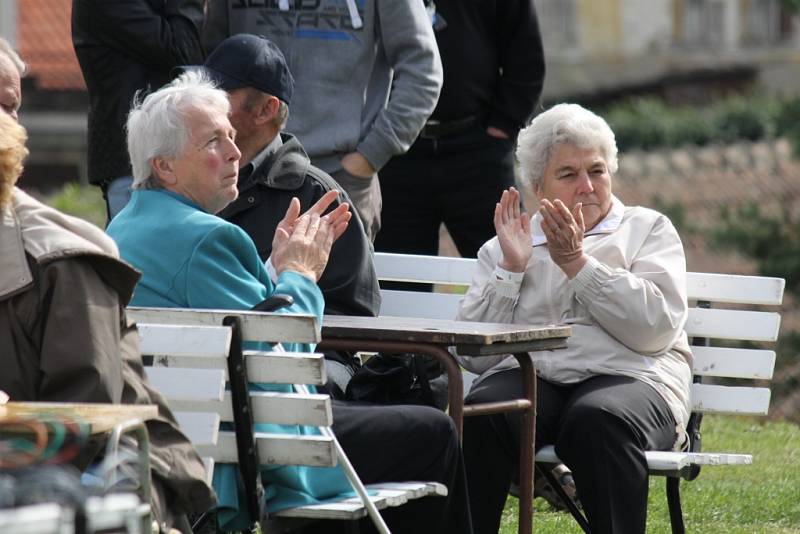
x=760 y=498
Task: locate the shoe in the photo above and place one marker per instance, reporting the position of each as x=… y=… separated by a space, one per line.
x=542 y=488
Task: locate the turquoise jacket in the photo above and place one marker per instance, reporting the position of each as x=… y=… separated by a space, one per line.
x=192 y=259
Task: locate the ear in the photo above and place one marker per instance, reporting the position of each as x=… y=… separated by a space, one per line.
x=537 y=190
x=162 y=168
x=267 y=109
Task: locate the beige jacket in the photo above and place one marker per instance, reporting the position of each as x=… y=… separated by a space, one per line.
x=64 y=336
x=627 y=307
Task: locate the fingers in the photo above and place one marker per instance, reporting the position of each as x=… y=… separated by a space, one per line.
x=291 y=212
x=323 y=203
x=578 y=216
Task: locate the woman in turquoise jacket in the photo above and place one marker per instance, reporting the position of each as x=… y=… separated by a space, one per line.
x=185 y=165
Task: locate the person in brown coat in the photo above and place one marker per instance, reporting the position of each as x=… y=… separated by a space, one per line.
x=64 y=335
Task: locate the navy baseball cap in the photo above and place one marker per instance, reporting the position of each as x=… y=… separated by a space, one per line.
x=246 y=60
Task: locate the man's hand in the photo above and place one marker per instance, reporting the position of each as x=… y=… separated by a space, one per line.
x=357 y=165
x=513 y=231
x=491 y=131
x=303 y=243
x=564 y=231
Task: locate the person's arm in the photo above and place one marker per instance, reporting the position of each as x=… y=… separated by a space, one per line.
x=225 y=272
x=78 y=334
x=522 y=65
x=410 y=47
x=643 y=307
x=162 y=39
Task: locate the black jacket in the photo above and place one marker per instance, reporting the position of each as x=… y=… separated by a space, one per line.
x=124 y=46
x=349 y=283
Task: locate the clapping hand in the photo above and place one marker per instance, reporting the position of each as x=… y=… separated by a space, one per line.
x=564 y=232
x=303 y=243
x=513 y=229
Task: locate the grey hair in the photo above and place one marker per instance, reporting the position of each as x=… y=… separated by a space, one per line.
x=158 y=125
x=10 y=53
x=563 y=123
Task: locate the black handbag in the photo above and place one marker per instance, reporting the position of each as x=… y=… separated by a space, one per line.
x=399 y=379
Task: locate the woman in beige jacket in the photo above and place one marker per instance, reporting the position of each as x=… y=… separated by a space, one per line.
x=617 y=275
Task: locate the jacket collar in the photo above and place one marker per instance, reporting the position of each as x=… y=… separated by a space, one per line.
x=28 y=226
x=608 y=225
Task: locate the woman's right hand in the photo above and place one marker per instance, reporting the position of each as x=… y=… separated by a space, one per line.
x=513 y=228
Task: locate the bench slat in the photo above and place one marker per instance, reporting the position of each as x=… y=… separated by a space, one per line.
x=276 y=449
x=256 y=326
x=202 y=428
x=415 y=304
x=734 y=362
x=709 y=398
x=728 y=288
x=667 y=461
x=427 y=269
x=384 y=495
x=279 y=408
x=733 y=324
x=286 y=367
x=194 y=384
x=180 y=340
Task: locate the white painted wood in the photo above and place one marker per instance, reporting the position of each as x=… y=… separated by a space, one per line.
x=667 y=461
x=38 y=519
x=268 y=407
x=708 y=398
x=276 y=449
x=729 y=288
x=286 y=367
x=734 y=362
x=116 y=512
x=721 y=288
x=384 y=495
x=202 y=428
x=427 y=269
x=733 y=324
x=256 y=326
x=182 y=340
x=415 y=304
x=188 y=384
x=208 y=463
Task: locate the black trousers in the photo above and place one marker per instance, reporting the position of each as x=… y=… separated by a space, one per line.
x=601 y=429
x=401 y=443
x=455 y=180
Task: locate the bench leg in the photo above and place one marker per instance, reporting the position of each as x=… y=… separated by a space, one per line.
x=674 y=503
x=568 y=503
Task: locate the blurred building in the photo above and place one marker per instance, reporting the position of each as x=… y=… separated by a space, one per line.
x=598 y=51
x=683 y=50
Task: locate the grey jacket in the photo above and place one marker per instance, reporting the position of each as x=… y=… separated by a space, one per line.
x=64 y=337
x=368 y=89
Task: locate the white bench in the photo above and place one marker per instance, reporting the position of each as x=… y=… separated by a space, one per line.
x=738 y=327
x=193 y=354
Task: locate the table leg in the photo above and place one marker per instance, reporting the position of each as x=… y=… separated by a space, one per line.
x=456 y=385
x=527 y=445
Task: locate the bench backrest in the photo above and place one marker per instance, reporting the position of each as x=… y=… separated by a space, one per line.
x=738 y=327
x=189 y=353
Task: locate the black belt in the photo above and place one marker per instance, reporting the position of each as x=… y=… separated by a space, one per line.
x=434 y=129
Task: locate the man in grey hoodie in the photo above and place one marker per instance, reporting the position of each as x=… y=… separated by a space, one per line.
x=367 y=76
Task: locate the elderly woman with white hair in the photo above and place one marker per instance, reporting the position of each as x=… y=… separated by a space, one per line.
x=617 y=275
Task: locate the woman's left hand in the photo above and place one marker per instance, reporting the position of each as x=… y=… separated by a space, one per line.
x=564 y=231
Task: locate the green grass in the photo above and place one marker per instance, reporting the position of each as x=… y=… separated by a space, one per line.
x=84 y=201
x=759 y=498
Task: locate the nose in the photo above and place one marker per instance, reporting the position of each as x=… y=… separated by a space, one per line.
x=234 y=154
x=584 y=183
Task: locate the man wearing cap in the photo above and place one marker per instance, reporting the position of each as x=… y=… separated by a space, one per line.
x=368 y=74
x=274 y=168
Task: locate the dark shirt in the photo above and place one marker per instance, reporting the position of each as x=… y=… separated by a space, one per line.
x=493 y=61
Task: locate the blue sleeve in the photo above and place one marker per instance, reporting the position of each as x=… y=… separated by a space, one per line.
x=225 y=272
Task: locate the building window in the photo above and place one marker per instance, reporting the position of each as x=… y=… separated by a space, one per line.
x=761 y=23
x=703 y=23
